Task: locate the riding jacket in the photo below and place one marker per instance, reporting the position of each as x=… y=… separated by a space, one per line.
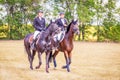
x=60 y=22
x=39 y=24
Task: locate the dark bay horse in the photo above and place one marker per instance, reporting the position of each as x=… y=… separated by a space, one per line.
x=66 y=45
x=42 y=45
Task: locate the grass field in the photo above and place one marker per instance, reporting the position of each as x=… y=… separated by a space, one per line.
x=90 y=61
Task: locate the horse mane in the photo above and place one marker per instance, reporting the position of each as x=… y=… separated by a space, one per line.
x=49 y=25
x=68 y=28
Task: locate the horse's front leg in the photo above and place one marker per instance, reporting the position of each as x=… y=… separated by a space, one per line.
x=47 y=61
x=69 y=57
x=40 y=60
x=54 y=56
x=67 y=61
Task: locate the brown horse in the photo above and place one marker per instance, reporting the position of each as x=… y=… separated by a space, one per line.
x=66 y=45
x=42 y=45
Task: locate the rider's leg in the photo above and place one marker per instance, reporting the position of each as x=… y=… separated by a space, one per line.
x=34 y=39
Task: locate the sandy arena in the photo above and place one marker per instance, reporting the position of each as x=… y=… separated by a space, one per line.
x=90 y=61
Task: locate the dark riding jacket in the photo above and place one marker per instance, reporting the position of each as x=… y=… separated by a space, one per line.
x=39 y=24
x=60 y=23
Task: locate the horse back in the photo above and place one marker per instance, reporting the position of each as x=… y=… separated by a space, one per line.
x=28 y=38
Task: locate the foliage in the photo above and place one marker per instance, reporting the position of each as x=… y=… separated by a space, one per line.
x=20 y=14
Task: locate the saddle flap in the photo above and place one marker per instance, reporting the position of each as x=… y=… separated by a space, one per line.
x=59 y=37
x=31 y=39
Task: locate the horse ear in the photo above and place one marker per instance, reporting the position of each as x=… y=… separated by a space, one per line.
x=76 y=21
x=72 y=20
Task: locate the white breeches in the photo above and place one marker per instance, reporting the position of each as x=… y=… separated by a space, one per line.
x=35 y=34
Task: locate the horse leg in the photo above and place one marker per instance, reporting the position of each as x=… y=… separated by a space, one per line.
x=67 y=61
x=29 y=57
x=40 y=61
x=32 y=57
x=50 y=57
x=33 y=54
x=54 y=56
x=47 y=61
x=69 y=57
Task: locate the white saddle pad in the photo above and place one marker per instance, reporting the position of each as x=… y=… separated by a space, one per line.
x=59 y=37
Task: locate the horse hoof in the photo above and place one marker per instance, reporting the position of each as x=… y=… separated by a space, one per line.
x=37 y=67
x=47 y=71
x=64 y=67
x=31 y=68
x=55 y=65
x=68 y=70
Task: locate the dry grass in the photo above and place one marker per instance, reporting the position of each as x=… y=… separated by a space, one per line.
x=90 y=61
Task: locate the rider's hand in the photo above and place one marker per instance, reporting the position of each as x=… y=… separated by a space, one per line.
x=65 y=25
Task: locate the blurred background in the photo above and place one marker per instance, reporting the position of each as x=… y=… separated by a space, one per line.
x=99 y=20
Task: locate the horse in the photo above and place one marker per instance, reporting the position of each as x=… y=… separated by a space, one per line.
x=42 y=45
x=66 y=45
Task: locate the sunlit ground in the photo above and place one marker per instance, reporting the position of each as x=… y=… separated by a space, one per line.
x=90 y=61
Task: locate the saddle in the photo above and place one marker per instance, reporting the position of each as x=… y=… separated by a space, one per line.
x=31 y=38
x=59 y=37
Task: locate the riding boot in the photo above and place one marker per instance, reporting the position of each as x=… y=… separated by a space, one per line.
x=33 y=44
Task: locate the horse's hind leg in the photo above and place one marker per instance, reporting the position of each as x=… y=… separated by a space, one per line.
x=40 y=60
x=29 y=57
x=54 y=56
x=32 y=57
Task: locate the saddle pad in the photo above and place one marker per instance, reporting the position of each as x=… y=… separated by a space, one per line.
x=31 y=39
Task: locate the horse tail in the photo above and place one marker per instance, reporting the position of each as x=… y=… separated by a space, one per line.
x=25 y=47
x=27 y=44
x=50 y=57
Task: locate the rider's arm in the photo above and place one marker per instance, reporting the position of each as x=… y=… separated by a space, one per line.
x=66 y=22
x=44 y=24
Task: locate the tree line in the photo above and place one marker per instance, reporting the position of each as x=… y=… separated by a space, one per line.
x=20 y=14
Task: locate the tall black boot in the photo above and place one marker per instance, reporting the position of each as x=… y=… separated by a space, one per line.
x=33 y=44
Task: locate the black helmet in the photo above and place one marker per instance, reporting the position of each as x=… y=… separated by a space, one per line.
x=62 y=13
x=40 y=11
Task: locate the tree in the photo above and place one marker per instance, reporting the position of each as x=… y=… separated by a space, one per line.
x=85 y=14
x=99 y=14
x=109 y=21
x=19 y=12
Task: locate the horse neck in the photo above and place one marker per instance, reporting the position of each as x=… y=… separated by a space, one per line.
x=70 y=34
x=45 y=34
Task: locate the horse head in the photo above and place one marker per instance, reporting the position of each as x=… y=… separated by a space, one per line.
x=53 y=27
x=75 y=28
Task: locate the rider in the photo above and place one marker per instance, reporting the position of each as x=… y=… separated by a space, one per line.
x=39 y=25
x=62 y=23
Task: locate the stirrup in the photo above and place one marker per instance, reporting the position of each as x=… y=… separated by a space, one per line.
x=32 y=46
